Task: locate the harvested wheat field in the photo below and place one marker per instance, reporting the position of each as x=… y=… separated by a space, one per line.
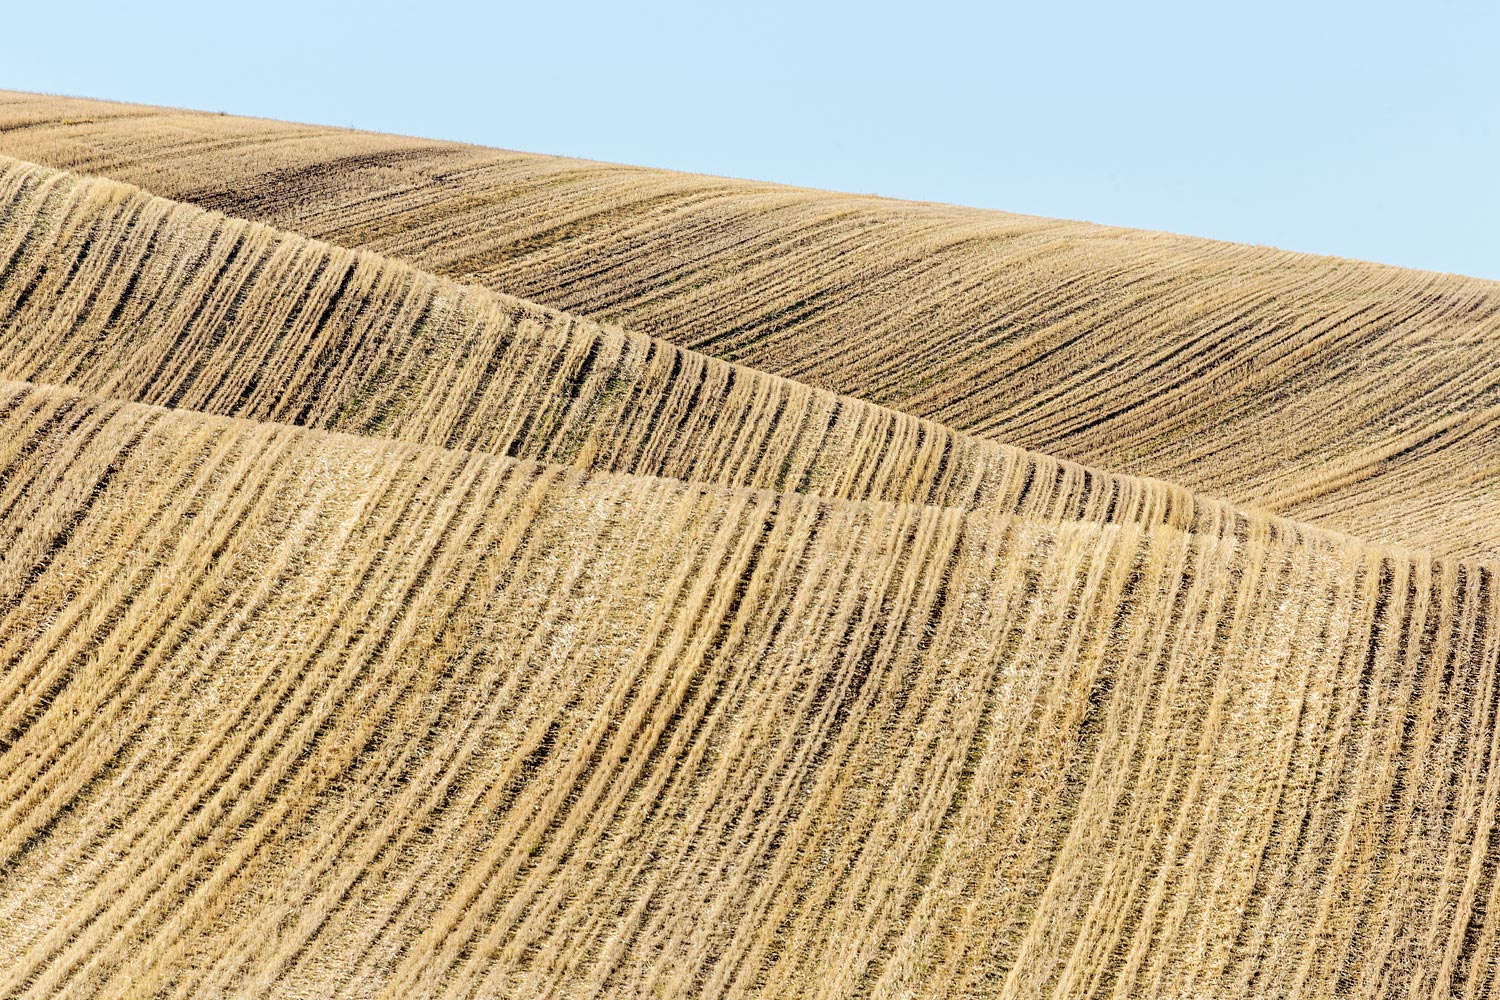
x=1352 y=395
x=431 y=571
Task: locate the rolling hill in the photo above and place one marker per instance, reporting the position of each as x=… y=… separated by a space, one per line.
x=1351 y=395
x=288 y=713
x=113 y=291
x=379 y=626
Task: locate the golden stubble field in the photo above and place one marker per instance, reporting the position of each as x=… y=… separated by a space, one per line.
x=368 y=630
x=1352 y=395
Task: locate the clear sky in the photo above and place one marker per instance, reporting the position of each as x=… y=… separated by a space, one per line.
x=1366 y=130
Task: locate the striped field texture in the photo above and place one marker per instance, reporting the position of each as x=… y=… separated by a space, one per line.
x=293 y=714
x=1361 y=397
x=428 y=571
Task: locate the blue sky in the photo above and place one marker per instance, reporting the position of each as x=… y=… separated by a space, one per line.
x=1358 y=129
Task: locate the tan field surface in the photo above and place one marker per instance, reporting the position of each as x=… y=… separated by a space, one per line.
x=1353 y=395
x=431 y=571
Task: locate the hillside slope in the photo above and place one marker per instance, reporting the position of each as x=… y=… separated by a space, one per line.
x=119 y=293
x=1356 y=396
x=287 y=713
x=431 y=642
